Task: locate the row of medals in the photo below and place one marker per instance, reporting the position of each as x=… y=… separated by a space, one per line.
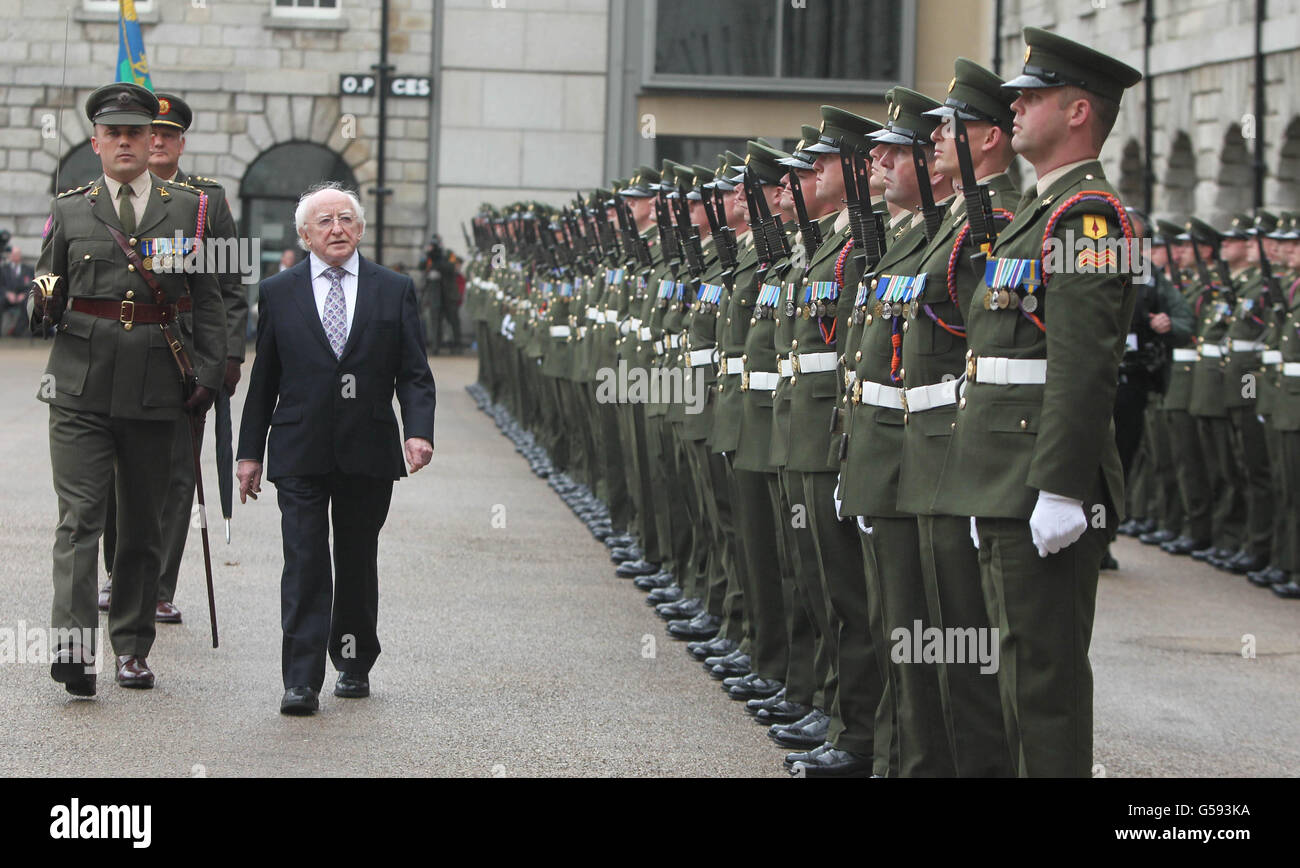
x=1009 y=299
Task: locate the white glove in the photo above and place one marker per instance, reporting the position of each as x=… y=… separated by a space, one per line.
x=974 y=534
x=836 y=495
x=1056 y=522
x=862 y=525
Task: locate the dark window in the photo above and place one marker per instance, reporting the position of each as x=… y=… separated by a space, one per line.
x=856 y=39
x=757 y=43
x=700 y=151
x=720 y=37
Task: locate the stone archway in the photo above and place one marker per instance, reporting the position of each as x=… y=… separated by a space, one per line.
x=1285 y=186
x=80 y=165
x=1130 y=186
x=1178 y=192
x=1235 y=180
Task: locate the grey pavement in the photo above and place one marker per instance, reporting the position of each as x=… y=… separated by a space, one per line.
x=514 y=651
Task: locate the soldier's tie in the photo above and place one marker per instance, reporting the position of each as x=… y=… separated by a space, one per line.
x=125 y=213
x=336 y=312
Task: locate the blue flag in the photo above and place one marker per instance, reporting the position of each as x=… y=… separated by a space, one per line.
x=132 y=65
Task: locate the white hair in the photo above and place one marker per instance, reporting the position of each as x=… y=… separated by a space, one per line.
x=305 y=204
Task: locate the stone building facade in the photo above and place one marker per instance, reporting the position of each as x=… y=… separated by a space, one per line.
x=1202 y=70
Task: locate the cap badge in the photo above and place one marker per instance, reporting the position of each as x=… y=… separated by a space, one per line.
x=164 y=106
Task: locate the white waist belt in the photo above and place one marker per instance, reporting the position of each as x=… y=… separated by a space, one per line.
x=1185 y=355
x=699 y=358
x=787 y=368
x=1010 y=372
x=1291 y=369
x=560 y=331
x=633 y=323
x=594 y=314
x=1272 y=357
x=674 y=340
x=643 y=333
x=1247 y=346
x=923 y=398
x=1211 y=351
x=812 y=363
x=878 y=395
x=762 y=381
x=735 y=366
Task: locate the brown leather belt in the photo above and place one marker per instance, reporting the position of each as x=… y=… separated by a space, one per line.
x=130 y=312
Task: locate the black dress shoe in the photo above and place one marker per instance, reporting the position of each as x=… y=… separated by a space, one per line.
x=806 y=733
x=782 y=712
x=352 y=686
x=299 y=701
x=661 y=579
x=1205 y=555
x=702 y=626
x=804 y=756
x=755 y=688
x=737 y=668
x=618 y=540
x=833 y=763
x=718 y=646
x=105 y=594
x=1108 y=561
x=1145 y=525
x=753 y=706
x=1246 y=563
x=632 y=569
x=1287 y=591
x=687 y=608
x=134 y=672
x=733 y=655
x=1267 y=576
x=658 y=596
x=731 y=681
x=619 y=555
x=1184 y=545
x=69 y=669
x=1158 y=537
x=1128 y=527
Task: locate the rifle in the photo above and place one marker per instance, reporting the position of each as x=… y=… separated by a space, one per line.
x=1272 y=292
x=812 y=233
x=864 y=222
x=929 y=212
x=634 y=246
x=724 y=238
x=778 y=246
x=670 y=245
x=1175 y=276
x=979 y=207
x=1207 y=280
x=689 y=235
x=753 y=192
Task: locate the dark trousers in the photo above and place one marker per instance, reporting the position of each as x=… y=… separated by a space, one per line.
x=357 y=506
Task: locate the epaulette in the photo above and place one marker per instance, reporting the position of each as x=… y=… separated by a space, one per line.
x=83 y=188
x=181 y=185
x=199 y=180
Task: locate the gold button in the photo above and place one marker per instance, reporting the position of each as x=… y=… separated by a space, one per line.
x=87 y=256
x=902 y=373
x=753 y=320
x=905 y=418
x=857 y=357
x=1088 y=177
x=793 y=380
x=794 y=344
x=962 y=404
x=906 y=323
x=1023 y=424
x=130 y=293
x=744 y=357
x=127 y=326
x=130 y=268
x=954 y=426
x=970 y=354
x=869 y=318
x=728 y=320
x=133 y=241
x=970 y=369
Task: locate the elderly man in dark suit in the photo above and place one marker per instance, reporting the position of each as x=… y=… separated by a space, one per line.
x=337 y=336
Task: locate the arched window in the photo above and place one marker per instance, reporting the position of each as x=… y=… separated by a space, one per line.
x=79 y=166
x=1285 y=194
x=1180 y=180
x=1236 y=180
x=271 y=187
x=1130 y=174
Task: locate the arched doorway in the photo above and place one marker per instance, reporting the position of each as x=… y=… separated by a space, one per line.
x=1286 y=190
x=1180 y=179
x=270 y=189
x=1130 y=186
x=1236 y=178
x=79 y=166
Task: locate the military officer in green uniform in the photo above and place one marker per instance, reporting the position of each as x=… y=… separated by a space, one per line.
x=167 y=146
x=933 y=359
x=1033 y=456
x=114 y=388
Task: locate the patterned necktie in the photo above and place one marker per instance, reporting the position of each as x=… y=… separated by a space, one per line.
x=335 y=318
x=125 y=212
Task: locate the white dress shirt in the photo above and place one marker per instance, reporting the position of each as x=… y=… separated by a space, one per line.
x=320 y=285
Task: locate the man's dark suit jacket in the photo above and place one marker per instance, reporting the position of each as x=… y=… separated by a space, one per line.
x=325 y=413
